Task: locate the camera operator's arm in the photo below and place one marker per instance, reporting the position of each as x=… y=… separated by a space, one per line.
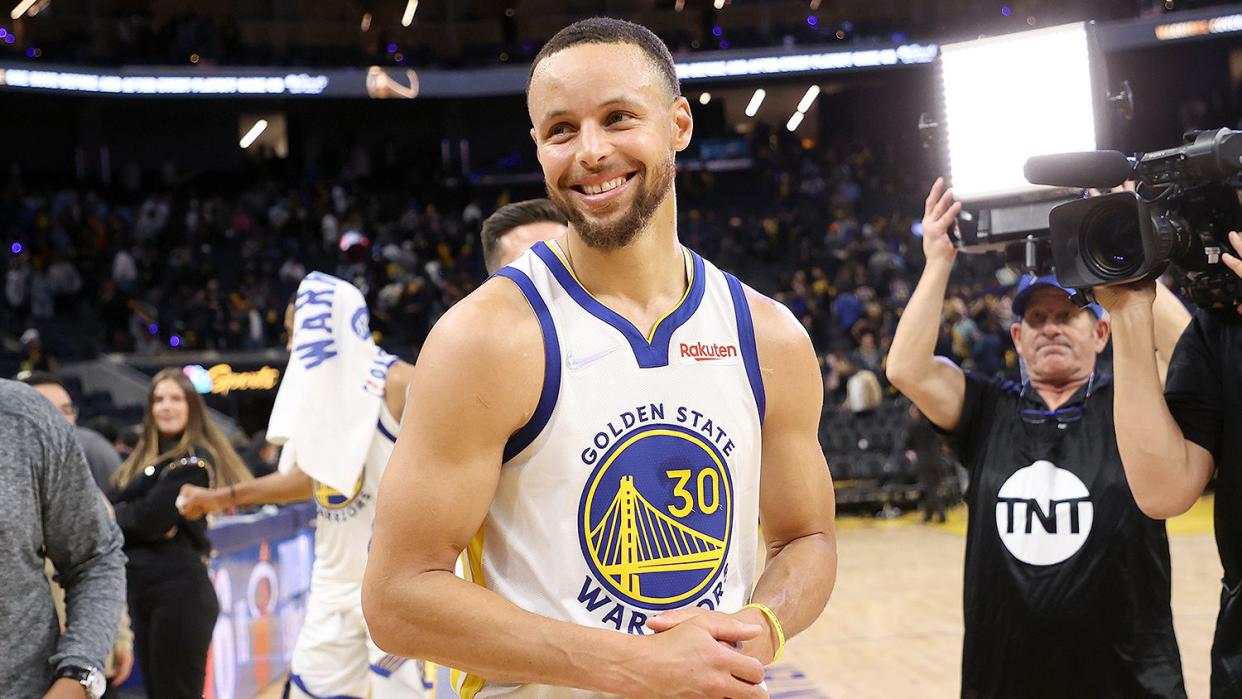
x=1170 y=319
x=935 y=384
x=1166 y=472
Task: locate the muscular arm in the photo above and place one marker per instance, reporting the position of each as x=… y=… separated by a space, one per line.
x=273 y=489
x=935 y=384
x=476 y=382
x=1166 y=472
x=797 y=505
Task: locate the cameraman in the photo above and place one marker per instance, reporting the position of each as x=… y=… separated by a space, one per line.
x=1067 y=582
x=1172 y=447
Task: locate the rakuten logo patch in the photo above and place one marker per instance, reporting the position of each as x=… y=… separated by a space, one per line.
x=704 y=352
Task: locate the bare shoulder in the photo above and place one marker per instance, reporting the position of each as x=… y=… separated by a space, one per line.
x=488 y=346
x=495 y=322
x=779 y=337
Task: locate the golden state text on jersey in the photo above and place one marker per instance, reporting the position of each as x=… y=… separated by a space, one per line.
x=655 y=520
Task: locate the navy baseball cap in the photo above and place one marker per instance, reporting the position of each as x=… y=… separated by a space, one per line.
x=1029 y=283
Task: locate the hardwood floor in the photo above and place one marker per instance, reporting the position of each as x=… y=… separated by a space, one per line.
x=894 y=625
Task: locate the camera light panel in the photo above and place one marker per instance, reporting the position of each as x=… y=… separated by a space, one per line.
x=1011 y=97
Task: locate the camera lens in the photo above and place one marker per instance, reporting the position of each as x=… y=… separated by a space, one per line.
x=1111 y=241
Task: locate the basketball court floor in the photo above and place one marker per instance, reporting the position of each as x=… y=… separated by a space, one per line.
x=894 y=625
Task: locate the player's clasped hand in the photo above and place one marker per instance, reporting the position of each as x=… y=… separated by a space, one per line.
x=761 y=647
x=696 y=658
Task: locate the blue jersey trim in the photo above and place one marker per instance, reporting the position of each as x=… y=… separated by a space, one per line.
x=382 y=672
x=648 y=354
x=746 y=338
x=302 y=686
x=551 y=365
x=379 y=425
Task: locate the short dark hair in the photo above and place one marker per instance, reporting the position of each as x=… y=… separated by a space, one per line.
x=606 y=30
x=510 y=216
x=40 y=378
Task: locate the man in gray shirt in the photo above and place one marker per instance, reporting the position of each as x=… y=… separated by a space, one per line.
x=52 y=509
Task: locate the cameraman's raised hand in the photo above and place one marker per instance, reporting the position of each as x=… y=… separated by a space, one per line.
x=1126 y=298
x=939 y=214
x=1234 y=260
x=937 y=386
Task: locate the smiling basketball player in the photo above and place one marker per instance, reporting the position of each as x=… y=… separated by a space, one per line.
x=589 y=426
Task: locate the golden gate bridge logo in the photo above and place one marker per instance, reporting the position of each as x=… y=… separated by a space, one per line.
x=656 y=517
x=332 y=499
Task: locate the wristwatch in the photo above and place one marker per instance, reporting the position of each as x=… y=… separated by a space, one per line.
x=90 y=678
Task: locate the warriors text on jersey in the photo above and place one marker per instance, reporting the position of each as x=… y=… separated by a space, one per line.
x=343 y=526
x=634 y=488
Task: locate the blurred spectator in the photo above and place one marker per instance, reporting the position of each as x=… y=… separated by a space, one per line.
x=863 y=393
x=35 y=358
x=868 y=355
x=922 y=446
x=126 y=440
x=827 y=231
x=101 y=457
x=261 y=456
x=170 y=593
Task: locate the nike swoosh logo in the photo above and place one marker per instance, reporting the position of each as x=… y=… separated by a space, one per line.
x=578 y=362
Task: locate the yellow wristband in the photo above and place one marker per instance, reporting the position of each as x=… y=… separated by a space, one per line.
x=776 y=624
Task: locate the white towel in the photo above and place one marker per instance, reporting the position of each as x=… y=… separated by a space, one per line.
x=333 y=389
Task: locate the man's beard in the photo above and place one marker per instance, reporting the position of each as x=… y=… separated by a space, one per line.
x=621 y=232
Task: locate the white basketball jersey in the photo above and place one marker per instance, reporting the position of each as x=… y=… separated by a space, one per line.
x=343 y=525
x=634 y=489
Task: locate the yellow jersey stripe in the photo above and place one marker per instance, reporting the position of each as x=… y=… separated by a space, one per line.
x=473 y=684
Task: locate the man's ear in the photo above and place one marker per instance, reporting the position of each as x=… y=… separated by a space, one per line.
x=683 y=124
x=1103 y=328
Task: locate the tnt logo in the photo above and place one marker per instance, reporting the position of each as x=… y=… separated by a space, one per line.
x=1043 y=514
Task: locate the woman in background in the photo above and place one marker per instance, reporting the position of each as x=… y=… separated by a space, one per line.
x=171 y=600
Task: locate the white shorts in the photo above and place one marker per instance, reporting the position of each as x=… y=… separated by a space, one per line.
x=335 y=657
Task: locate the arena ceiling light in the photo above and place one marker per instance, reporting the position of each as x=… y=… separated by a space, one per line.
x=808 y=99
x=21 y=7
x=253 y=134
x=755 y=100
x=705 y=98
x=822 y=62
x=803 y=105
x=1010 y=97
x=411 y=6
